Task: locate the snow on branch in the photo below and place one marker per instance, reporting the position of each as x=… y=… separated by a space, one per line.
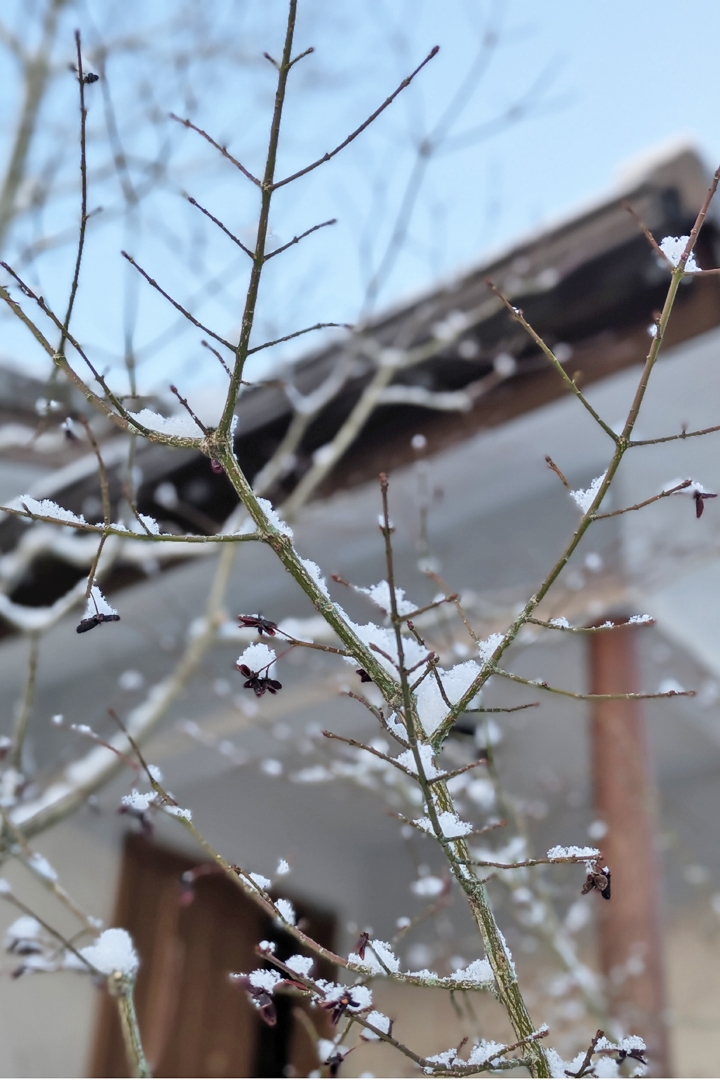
x=673 y=248
x=180 y=426
x=48 y=508
x=113 y=951
x=585 y=499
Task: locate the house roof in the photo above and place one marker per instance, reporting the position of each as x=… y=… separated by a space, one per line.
x=588 y=284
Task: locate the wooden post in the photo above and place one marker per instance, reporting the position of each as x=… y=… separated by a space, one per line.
x=630 y=935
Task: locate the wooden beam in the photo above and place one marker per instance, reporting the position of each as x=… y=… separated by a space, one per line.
x=630 y=928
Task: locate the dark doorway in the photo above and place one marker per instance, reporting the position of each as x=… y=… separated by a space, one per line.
x=193 y=1021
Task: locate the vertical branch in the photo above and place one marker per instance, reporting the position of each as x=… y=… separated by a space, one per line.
x=37 y=74
x=26 y=707
x=456 y=850
x=105 y=493
x=266 y=188
x=122 y=989
x=83 y=198
x=677 y=276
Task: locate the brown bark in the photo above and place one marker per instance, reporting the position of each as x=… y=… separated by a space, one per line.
x=630 y=937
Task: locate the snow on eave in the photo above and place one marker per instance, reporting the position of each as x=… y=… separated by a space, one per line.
x=639 y=171
x=114 y=451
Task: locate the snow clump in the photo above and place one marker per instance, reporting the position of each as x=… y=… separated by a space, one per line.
x=113 y=951
x=585 y=499
x=673 y=247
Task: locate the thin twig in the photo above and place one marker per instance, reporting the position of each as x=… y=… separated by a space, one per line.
x=297 y=239
x=514 y=708
x=102 y=471
x=576 y=859
x=570 y=383
x=176 y=305
x=587 y=1060
x=83 y=198
x=58 y=358
x=557 y=471
x=673 y=438
x=216 y=354
x=358 y=131
x=627 y=205
x=223 y=150
x=542 y=685
x=10 y=898
x=26 y=707
x=299 y=333
x=52 y=885
x=224 y=228
x=602 y=629
x=645 y=502
x=184 y=402
x=128 y=534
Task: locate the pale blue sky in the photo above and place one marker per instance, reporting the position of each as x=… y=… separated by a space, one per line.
x=610 y=81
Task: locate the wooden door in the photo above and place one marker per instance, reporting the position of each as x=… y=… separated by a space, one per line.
x=193 y=1020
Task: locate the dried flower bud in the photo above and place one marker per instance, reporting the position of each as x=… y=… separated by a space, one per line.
x=259 y=684
x=598 y=878
x=94 y=620
x=261 y=624
x=339 y=1007
x=362 y=944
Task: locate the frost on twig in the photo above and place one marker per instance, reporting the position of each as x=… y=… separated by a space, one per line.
x=380 y=595
x=48 y=508
x=451 y=826
x=572 y=852
x=180 y=426
x=97 y=611
x=585 y=499
x=673 y=248
x=695 y=490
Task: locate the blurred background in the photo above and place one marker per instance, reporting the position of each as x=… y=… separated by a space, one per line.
x=525 y=113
